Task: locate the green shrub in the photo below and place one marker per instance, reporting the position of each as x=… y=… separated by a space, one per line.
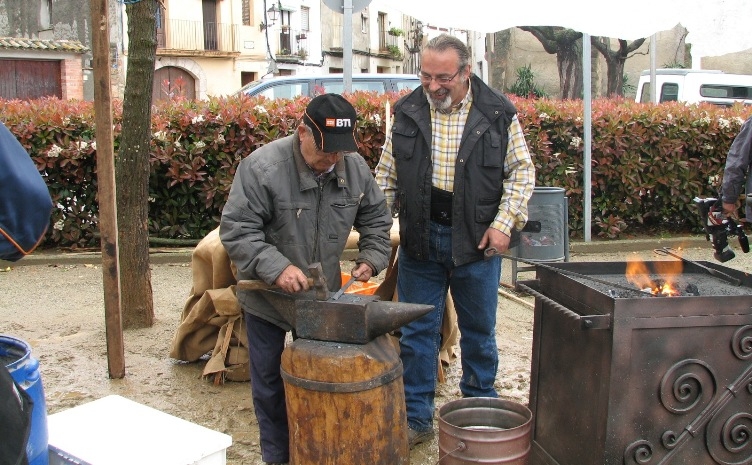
x=647 y=163
x=525 y=85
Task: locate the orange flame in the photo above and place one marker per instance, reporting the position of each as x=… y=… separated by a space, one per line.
x=638 y=274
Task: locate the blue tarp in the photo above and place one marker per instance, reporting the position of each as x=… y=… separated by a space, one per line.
x=25 y=202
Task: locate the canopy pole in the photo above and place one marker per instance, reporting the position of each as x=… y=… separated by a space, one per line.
x=653 y=86
x=347 y=41
x=587 y=121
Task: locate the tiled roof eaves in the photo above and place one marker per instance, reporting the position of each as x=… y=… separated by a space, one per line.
x=15 y=43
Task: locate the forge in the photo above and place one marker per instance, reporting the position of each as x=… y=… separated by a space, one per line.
x=626 y=377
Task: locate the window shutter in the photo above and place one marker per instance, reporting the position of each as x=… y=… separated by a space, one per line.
x=246 y=12
x=305 y=24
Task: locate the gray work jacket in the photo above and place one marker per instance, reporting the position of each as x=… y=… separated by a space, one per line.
x=278 y=214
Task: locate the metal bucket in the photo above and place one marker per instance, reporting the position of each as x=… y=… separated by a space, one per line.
x=24 y=369
x=484 y=430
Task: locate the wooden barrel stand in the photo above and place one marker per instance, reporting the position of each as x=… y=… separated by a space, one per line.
x=345 y=403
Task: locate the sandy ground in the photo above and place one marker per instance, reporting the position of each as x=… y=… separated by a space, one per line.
x=58 y=310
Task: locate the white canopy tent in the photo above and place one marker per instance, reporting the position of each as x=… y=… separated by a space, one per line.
x=715 y=27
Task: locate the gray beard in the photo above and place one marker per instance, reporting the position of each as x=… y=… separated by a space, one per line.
x=441 y=105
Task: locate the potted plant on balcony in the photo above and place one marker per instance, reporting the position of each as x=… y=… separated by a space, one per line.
x=394 y=51
x=395 y=31
x=303 y=53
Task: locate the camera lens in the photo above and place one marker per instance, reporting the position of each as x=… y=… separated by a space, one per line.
x=744 y=242
x=724 y=256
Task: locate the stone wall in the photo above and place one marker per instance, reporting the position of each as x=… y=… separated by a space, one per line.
x=514 y=48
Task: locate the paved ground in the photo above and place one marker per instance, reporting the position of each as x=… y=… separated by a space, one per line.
x=54 y=302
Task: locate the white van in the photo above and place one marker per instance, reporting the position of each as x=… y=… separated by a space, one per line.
x=695 y=86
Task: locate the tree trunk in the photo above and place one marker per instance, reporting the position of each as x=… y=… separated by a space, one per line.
x=615 y=75
x=615 y=60
x=567 y=45
x=132 y=168
x=569 y=61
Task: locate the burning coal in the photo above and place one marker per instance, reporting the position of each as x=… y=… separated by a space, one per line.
x=638 y=274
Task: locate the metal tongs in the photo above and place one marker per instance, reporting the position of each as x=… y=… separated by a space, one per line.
x=668 y=251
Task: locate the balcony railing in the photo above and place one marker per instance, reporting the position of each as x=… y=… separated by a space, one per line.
x=389 y=42
x=292 y=43
x=198 y=36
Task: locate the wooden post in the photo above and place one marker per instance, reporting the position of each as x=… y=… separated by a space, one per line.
x=106 y=188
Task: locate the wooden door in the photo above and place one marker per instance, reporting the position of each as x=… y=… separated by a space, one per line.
x=209 y=8
x=30 y=79
x=172 y=82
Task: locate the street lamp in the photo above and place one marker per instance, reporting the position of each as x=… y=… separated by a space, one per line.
x=273 y=12
x=271 y=15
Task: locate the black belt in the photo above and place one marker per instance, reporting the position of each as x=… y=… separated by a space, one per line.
x=441 y=206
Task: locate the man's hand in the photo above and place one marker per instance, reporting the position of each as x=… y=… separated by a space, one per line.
x=496 y=239
x=362 y=272
x=729 y=209
x=292 y=280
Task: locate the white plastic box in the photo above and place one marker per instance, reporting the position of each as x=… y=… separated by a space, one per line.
x=114 y=430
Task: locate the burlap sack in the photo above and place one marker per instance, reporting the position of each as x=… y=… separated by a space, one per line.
x=212 y=321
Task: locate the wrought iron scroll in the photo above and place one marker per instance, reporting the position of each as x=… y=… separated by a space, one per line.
x=741 y=343
x=687 y=385
x=690 y=385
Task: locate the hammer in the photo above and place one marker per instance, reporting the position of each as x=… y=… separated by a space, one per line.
x=317 y=281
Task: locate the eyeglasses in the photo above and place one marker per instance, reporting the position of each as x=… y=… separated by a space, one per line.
x=427 y=78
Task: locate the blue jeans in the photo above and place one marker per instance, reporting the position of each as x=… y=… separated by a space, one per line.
x=474 y=287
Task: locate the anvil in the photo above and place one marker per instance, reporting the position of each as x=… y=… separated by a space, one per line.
x=353 y=318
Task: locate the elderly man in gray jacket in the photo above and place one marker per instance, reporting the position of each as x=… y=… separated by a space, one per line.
x=293 y=202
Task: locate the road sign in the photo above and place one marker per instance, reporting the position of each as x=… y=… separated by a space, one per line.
x=338 y=6
x=347 y=8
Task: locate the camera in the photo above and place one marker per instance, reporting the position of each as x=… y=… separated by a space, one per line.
x=719 y=227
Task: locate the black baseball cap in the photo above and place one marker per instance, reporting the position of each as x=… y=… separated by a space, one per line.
x=332 y=121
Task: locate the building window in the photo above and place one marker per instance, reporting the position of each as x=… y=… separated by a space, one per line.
x=160 y=22
x=305 y=21
x=381 y=23
x=246 y=12
x=285 y=18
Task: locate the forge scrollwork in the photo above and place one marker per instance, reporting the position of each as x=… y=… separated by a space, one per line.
x=741 y=343
x=691 y=386
x=638 y=453
x=669 y=439
x=729 y=440
x=687 y=385
x=728 y=437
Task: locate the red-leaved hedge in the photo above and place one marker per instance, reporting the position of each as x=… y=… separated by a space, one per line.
x=647 y=163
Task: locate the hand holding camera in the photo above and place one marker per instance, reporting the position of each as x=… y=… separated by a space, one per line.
x=718 y=226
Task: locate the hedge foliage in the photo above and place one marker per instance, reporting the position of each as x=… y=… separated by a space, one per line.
x=648 y=161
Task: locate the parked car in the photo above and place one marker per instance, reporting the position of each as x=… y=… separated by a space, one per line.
x=311 y=85
x=695 y=86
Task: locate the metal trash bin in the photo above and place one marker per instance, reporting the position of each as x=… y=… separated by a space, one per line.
x=547 y=205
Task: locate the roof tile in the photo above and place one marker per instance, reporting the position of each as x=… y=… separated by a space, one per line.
x=16 y=43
